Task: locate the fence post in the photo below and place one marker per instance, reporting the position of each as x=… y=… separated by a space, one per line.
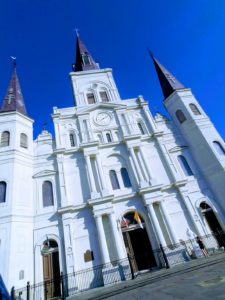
x=28 y=290
x=62 y=286
x=164 y=256
x=13 y=293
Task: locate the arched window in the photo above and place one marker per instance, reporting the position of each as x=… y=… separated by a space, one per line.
x=140 y=126
x=90 y=98
x=72 y=140
x=5 y=139
x=108 y=137
x=194 y=109
x=125 y=177
x=104 y=96
x=23 y=140
x=180 y=116
x=47 y=194
x=185 y=166
x=2 y=191
x=114 y=180
x=219 y=149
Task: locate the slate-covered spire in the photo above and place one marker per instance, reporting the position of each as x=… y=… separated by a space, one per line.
x=84 y=60
x=13 y=100
x=168 y=82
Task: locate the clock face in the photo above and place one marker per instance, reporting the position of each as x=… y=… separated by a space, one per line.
x=103 y=118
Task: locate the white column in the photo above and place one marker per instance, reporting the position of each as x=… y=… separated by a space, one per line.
x=136 y=164
x=90 y=173
x=118 y=241
x=102 y=240
x=156 y=225
x=169 y=224
x=145 y=163
x=101 y=175
x=150 y=119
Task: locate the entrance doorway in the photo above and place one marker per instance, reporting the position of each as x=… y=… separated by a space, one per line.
x=51 y=269
x=213 y=223
x=137 y=243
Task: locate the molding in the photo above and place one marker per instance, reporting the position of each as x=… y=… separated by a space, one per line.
x=45 y=173
x=177 y=149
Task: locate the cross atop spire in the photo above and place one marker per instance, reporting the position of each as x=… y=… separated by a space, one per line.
x=84 y=60
x=13 y=100
x=168 y=82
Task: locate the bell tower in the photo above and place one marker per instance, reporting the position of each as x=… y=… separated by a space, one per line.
x=16 y=187
x=203 y=140
x=91 y=84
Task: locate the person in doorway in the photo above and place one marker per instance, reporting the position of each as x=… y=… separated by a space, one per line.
x=202 y=246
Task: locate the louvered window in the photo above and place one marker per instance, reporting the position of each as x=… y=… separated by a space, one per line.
x=23 y=140
x=5 y=139
x=47 y=194
x=180 y=116
x=104 y=97
x=90 y=98
x=2 y=191
x=194 y=109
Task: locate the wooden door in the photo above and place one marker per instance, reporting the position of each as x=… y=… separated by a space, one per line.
x=48 y=275
x=130 y=251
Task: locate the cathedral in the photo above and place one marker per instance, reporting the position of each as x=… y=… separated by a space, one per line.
x=113 y=182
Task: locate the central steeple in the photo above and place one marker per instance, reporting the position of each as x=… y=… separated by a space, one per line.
x=13 y=100
x=84 y=60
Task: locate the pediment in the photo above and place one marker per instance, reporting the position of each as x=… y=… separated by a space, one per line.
x=44 y=173
x=91 y=108
x=177 y=149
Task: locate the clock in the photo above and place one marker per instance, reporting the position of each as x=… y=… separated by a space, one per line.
x=103 y=118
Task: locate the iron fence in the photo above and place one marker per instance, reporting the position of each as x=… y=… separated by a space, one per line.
x=102 y=275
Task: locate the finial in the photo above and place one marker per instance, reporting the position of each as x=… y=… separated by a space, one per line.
x=77 y=32
x=14 y=61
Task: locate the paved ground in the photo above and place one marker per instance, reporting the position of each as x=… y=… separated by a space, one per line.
x=200 y=279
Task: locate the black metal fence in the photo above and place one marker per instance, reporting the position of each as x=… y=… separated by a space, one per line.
x=102 y=275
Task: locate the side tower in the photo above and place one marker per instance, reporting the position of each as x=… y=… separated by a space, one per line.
x=16 y=188
x=203 y=140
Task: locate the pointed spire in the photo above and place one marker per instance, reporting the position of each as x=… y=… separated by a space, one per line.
x=168 y=82
x=84 y=60
x=13 y=100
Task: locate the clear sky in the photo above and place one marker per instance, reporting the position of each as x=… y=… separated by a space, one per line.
x=188 y=37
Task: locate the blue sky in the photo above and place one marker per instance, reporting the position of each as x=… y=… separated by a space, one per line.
x=188 y=37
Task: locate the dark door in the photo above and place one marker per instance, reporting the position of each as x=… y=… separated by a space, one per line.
x=215 y=227
x=138 y=246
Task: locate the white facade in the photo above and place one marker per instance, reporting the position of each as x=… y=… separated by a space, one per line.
x=90 y=141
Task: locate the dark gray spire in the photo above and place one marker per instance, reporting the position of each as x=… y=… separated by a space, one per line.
x=13 y=100
x=84 y=60
x=168 y=82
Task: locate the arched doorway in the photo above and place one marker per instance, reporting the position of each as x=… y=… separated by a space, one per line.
x=213 y=223
x=51 y=269
x=137 y=243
